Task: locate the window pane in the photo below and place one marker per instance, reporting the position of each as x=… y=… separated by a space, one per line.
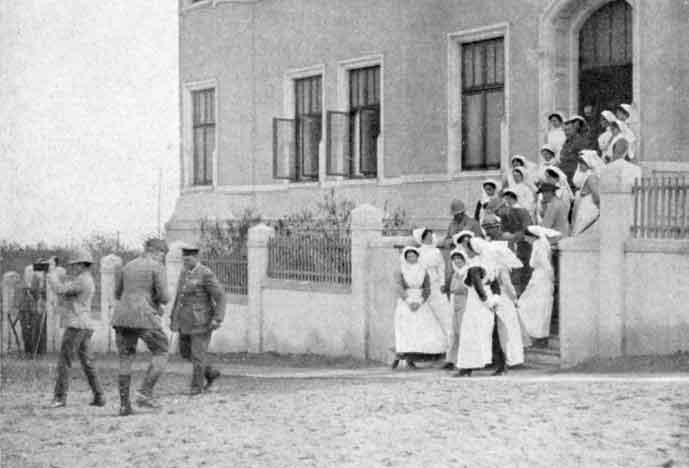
x=198 y=155
x=310 y=132
x=467 y=66
x=363 y=94
x=376 y=86
x=619 y=34
x=339 y=156
x=495 y=109
x=208 y=157
x=603 y=37
x=370 y=128
x=587 y=51
x=472 y=131
x=195 y=104
x=478 y=65
x=490 y=62
x=353 y=90
x=500 y=61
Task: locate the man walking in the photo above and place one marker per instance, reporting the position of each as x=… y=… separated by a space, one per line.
x=199 y=308
x=141 y=288
x=78 y=327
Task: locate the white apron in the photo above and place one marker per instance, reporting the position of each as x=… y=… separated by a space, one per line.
x=417 y=331
x=475 y=334
x=586 y=213
x=535 y=305
x=509 y=331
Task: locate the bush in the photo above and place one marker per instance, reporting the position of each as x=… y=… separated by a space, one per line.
x=227 y=237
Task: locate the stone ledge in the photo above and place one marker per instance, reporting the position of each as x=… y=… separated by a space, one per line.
x=668 y=246
x=305 y=286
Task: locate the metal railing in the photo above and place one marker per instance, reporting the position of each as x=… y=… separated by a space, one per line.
x=660 y=208
x=316 y=256
x=232 y=272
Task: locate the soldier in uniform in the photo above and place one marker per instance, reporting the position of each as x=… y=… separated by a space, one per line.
x=199 y=308
x=141 y=288
x=78 y=325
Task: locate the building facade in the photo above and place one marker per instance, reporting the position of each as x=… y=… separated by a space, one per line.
x=408 y=102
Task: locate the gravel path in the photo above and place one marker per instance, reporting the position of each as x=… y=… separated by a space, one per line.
x=364 y=418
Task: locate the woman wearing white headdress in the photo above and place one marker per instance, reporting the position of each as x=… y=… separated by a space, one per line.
x=605 y=138
x=555 y=176
x=587 y=200
x=432 y=260
x=529 y=171
x=417 y=331
x=556 y=137
x=490 y=197
x=621 y=145
x=535 y=306
x=627 y=116
x=460 y=261
x=490 y=296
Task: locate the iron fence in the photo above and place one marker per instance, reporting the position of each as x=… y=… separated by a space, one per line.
x=660 y=208
x=232 y=272
x=316 y=256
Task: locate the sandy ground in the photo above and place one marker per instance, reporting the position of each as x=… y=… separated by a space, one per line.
x=289 y=415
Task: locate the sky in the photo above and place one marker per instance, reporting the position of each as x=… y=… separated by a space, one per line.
x=88 y=118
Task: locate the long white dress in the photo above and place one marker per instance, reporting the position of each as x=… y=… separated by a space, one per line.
x=417 y=331
x=535 y=305
x=432 y=260
x=509 y=328
x=585 y=214
x=476 y=332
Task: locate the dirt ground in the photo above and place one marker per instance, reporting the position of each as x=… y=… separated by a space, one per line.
x=293 y=411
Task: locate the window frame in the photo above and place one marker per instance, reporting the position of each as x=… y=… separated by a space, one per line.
x=455 y=41
x=482 y=90
x=344 y=106
x=289 y=113
x=187 y=181
x=208 y=176
x=353 y=132
x=300 y=175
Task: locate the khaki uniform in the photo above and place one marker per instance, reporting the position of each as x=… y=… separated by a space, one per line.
x=200 y=301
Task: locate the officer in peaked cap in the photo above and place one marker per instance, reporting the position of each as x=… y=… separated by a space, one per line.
x=198 y=310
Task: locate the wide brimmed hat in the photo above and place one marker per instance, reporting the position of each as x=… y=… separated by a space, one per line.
x=80 y=256
x=547 y=187
x=457 y=206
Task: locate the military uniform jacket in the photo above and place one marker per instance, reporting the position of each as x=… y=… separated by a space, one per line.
x=141 y=288
x=79 y=294
x=200 y=299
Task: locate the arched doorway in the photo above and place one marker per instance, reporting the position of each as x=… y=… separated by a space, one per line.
x=578 y=65
x=606 y=59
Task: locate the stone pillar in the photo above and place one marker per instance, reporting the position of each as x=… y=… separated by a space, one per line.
x=257 y=244
x=10 y=302
x=173 y=268
x=104 y=335
x=616 y=218
x=367 y=227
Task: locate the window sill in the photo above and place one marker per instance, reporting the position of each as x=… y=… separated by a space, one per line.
x=479 y=174
x=339 y=182
x=197 y=189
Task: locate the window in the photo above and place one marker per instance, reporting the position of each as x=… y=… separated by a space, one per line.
x=353 y=135
x=203 y=129
x=483 y=103
x=296 y=141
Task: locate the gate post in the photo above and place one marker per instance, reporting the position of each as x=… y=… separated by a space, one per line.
x=257 y=245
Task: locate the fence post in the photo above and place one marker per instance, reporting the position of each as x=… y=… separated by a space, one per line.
x=257 y=245
x=616 y=216
x=366 y=226
x=105 y=337
x=173 y=268
x=10 y=280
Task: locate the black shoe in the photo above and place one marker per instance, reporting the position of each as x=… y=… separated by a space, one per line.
x=499 y=372
x=449 y=366
x=195 y=391
x=463 y=373
x=410 y=364
x=98 y=400
x=395 y=363
x=211 y=376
